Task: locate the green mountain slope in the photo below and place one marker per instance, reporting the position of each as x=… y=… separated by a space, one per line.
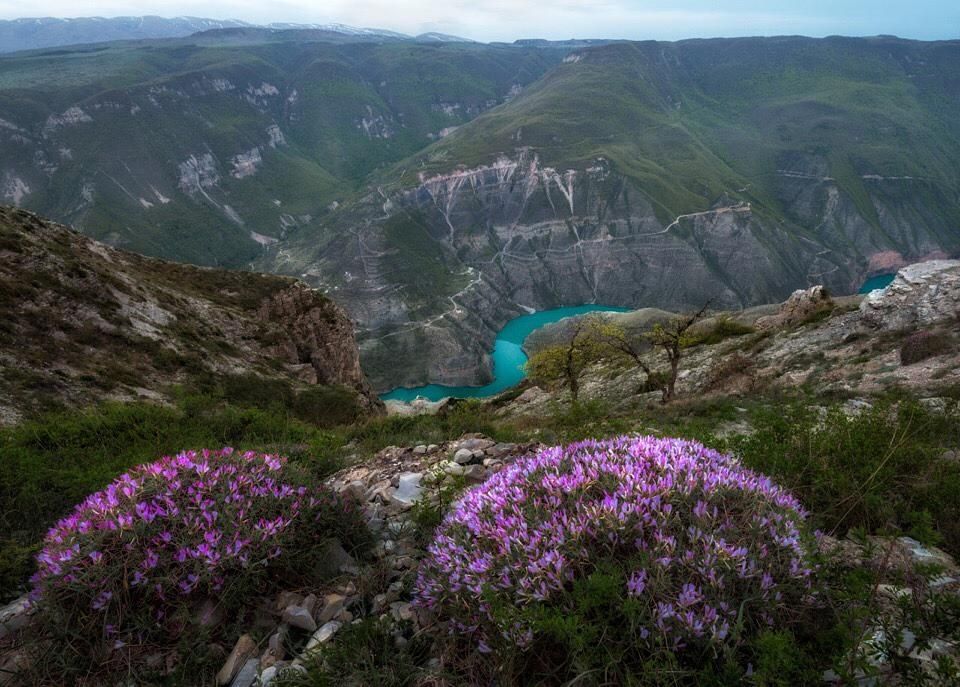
x=692 y=120
x=205 y=149
x=438 y=189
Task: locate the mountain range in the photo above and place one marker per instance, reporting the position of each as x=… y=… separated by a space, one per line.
x=34 y=33
x=437 y=189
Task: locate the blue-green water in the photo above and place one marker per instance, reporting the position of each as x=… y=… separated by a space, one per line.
x=881 y=281
x=508 y=357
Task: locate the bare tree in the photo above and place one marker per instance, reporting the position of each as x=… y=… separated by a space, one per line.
x=672 y=337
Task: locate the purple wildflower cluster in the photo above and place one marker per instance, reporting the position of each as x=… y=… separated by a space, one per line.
x=699 y=542
x=183 y=528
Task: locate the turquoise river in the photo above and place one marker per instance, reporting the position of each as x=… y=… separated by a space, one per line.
x=881 y=281
x=508 y=357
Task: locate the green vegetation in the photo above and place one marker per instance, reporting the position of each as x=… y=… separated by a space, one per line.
x=727 y=114
x=120 y=563
x=878 y=470
x=365 y=654
x=874 y=471
x=344 y=110
x=565 y=363
x=594 y=338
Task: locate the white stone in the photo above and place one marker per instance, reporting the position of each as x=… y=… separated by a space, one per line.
x=248 y=674
x=266 y=677
x=409 y=489
x=300 y=617
x=323 y=635
x=463 y=456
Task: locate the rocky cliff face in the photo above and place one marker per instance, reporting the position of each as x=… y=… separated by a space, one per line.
x=81 y=322
x=315 y=338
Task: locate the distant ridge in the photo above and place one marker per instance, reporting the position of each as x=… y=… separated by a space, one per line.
x=34 y=33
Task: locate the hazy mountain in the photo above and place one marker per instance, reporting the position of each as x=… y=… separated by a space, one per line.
x=209 y=148
x=50 y=32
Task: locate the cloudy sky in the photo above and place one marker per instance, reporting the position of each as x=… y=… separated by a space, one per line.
x=511 y=19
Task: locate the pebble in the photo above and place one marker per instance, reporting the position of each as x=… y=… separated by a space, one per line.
x=242 y=650
x=408 y=490
x=463 y=456
x=355 y=489
x=475 y=473
x=285 y=599
x=476 y=444
x=323 y=635
x=401 y=611
x=334 y=559
x=310 y=602
x=247 y=675
x=300 y=617
x=266 y=677
x=333 y=604
x=14 y=616
x=501 y=450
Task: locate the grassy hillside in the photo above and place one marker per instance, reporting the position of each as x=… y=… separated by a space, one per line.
x=204 y=149
x=694 y=120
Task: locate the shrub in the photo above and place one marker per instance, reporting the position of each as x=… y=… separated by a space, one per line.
x=878 y=469
x=52 y=463
x=719 y=329
x=627 y=557
x=729 y=368
x=922 y=345
x=132 y=565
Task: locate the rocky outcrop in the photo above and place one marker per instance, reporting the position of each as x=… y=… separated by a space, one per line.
x=921 y=295
x=82 y=322
x=801 y=305
x=849 y=345
x=317 y=335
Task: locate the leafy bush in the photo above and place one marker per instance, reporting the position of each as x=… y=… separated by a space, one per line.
x=922 y=345
x=627 y=557
x=879 y=469
x=129 y=568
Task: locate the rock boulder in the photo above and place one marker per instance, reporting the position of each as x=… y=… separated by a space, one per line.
x=921 y=295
